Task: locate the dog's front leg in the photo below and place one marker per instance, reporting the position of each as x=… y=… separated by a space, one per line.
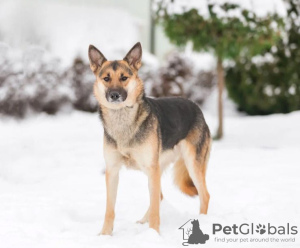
x=112 y=180
x=113 y=164
x=154 y=190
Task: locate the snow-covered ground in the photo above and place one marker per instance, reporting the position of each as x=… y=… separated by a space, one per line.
x=52 y=189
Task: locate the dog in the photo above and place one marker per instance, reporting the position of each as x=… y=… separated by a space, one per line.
x=147 y=134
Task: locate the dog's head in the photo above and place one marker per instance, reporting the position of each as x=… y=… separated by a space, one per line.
x=195 y=222
x=117 y=83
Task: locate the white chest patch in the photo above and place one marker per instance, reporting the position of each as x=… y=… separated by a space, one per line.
x=120 y=124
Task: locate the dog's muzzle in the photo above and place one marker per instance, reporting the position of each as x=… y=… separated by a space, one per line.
x=116 y=95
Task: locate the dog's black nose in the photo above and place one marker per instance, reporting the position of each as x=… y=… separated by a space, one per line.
x=114 y=95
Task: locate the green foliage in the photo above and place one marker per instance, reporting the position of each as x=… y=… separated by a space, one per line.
x=274 y=86
x=228 y=35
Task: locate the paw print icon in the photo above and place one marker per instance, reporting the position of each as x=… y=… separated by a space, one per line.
x=261 y=229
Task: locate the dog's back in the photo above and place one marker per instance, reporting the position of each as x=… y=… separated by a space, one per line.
x=176 y=116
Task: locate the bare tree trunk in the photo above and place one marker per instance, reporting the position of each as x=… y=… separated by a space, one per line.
x=220 y=72
x=152 y=29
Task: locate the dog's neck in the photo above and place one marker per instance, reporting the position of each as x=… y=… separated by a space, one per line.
x=121 y=117
x=122 y=124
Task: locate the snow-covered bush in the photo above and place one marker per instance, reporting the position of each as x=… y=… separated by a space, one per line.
x=82 y=84
x=32 y=83
x=173 y=75
x=149 y=72
x=178 y=76
x=201 y=86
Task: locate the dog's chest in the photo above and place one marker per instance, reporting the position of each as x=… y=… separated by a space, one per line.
x=120 y=124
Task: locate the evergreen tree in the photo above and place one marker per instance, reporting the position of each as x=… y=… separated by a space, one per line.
x=227 y=30
x=272 y=84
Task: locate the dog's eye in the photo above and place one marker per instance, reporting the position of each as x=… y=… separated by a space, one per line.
x=106 y=79
x=124 y=78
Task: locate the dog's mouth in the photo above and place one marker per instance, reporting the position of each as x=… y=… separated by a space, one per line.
x=116 y=95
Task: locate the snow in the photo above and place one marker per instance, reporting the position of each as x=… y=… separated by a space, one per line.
x=52 y=188
x=261 y=8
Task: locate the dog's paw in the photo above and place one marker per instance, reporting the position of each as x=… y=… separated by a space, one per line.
x=106 y=231
x=145 y=219
x=155 y=228
x=142 y=221
x=154 y=223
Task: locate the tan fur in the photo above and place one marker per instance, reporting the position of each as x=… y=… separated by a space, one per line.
x=197 y=169
x=183 y=180
x=134 y=86
x=193 y=138
x=182 y=177
x=144 y=157
x=146 y=215
x=113 y=163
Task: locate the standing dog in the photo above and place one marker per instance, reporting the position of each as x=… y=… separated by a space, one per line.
x=147 y=134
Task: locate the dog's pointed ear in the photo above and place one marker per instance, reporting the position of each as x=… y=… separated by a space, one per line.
x=134 y=56
x=96 y=58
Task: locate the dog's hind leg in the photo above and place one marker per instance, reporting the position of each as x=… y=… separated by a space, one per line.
x=196 y=158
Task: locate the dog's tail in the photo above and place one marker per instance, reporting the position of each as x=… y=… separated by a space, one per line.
x=183 y=180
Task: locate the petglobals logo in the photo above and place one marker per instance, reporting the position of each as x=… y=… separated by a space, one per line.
x=245 y=229
x=194 y=234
